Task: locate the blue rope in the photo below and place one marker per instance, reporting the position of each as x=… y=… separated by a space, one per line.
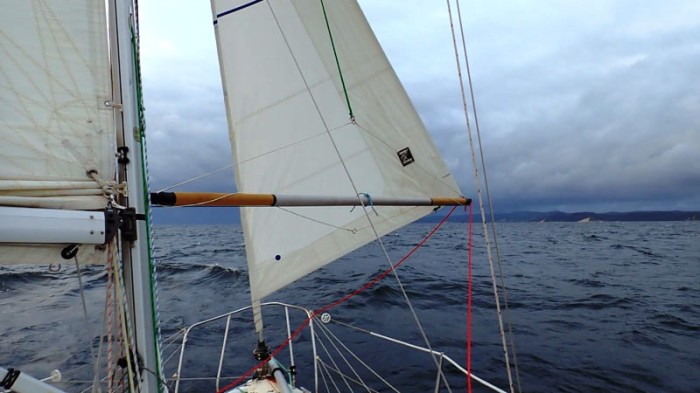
x=369 y=202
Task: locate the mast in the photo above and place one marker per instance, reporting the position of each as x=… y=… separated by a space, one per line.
x=136 y=253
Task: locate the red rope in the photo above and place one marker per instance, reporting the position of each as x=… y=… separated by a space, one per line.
x=469 y=304
x=338 y=302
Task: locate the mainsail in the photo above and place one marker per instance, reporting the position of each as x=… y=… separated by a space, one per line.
x=315 y=108
x=56 y=114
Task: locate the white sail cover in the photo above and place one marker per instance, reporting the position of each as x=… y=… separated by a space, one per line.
x=292 y=133
x=55 y=117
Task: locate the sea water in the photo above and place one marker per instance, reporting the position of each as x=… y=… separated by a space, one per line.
x=599 y=306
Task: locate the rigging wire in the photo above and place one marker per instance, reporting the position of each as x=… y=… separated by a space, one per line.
x=356 y=190
x=477 y=180
x=328 y=333
x=344 y=299
x=335 y=365
x=197 y=177
x=347 y=172
x=490 y=202
x=469 y=301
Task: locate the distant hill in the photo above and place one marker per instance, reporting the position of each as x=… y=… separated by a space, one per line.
x=228 y=216
x=558 y=216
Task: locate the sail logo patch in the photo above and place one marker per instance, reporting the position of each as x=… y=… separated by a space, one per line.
x=405 y=156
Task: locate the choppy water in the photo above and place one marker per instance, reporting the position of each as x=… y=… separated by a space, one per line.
x=600 y=306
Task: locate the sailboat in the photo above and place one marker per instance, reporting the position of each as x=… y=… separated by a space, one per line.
x=329 y=155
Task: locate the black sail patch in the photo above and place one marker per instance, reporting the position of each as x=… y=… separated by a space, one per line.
x=405 y=156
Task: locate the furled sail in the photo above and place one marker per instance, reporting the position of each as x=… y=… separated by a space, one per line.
x=56 y=115
x=302 y=123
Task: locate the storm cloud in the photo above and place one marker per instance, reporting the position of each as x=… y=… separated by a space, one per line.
x=581 y=105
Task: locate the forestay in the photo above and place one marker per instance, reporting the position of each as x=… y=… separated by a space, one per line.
x=292 y=132
x=56 y=115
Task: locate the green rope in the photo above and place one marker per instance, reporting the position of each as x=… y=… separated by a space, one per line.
x=337 y=62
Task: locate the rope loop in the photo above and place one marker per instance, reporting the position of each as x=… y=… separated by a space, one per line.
x=369 y=202
x=110 y=188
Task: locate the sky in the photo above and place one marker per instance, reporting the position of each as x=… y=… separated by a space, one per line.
x=582 y=105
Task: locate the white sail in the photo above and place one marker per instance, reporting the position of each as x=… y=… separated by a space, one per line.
x=292 y=132
x=54 y=123
x=56 y=116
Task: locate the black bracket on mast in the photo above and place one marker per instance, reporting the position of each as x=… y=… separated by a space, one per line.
x=123 y=220
x=128 y=223
x=10 y=378
x=123 y=155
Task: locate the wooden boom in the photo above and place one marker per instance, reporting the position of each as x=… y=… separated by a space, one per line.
x=241 y=199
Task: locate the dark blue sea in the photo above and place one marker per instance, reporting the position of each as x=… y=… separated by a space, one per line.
x=594 y=307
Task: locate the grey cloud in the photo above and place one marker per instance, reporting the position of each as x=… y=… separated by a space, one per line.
x=582 y=105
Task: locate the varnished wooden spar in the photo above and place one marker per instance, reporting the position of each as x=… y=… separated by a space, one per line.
x=241 y=199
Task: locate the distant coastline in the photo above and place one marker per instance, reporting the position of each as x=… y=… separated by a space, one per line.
x=230 y=216
x=558 y=216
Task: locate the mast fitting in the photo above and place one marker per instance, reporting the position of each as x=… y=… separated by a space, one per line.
x=10 y=378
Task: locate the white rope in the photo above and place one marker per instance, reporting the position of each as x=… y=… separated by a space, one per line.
x=351 y=230
x=87 y=321
x=197 y=177
x=109 y=310
x=110 y=188
x=229 y=166
x=203 y=202
x=477 y=181
x=170 y=341
x=123 y=317
x=417 y=164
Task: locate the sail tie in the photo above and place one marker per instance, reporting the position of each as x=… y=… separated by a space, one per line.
x=110 y=188
x=369 y=202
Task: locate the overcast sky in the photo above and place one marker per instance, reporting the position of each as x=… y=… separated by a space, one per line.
x=583 y=105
